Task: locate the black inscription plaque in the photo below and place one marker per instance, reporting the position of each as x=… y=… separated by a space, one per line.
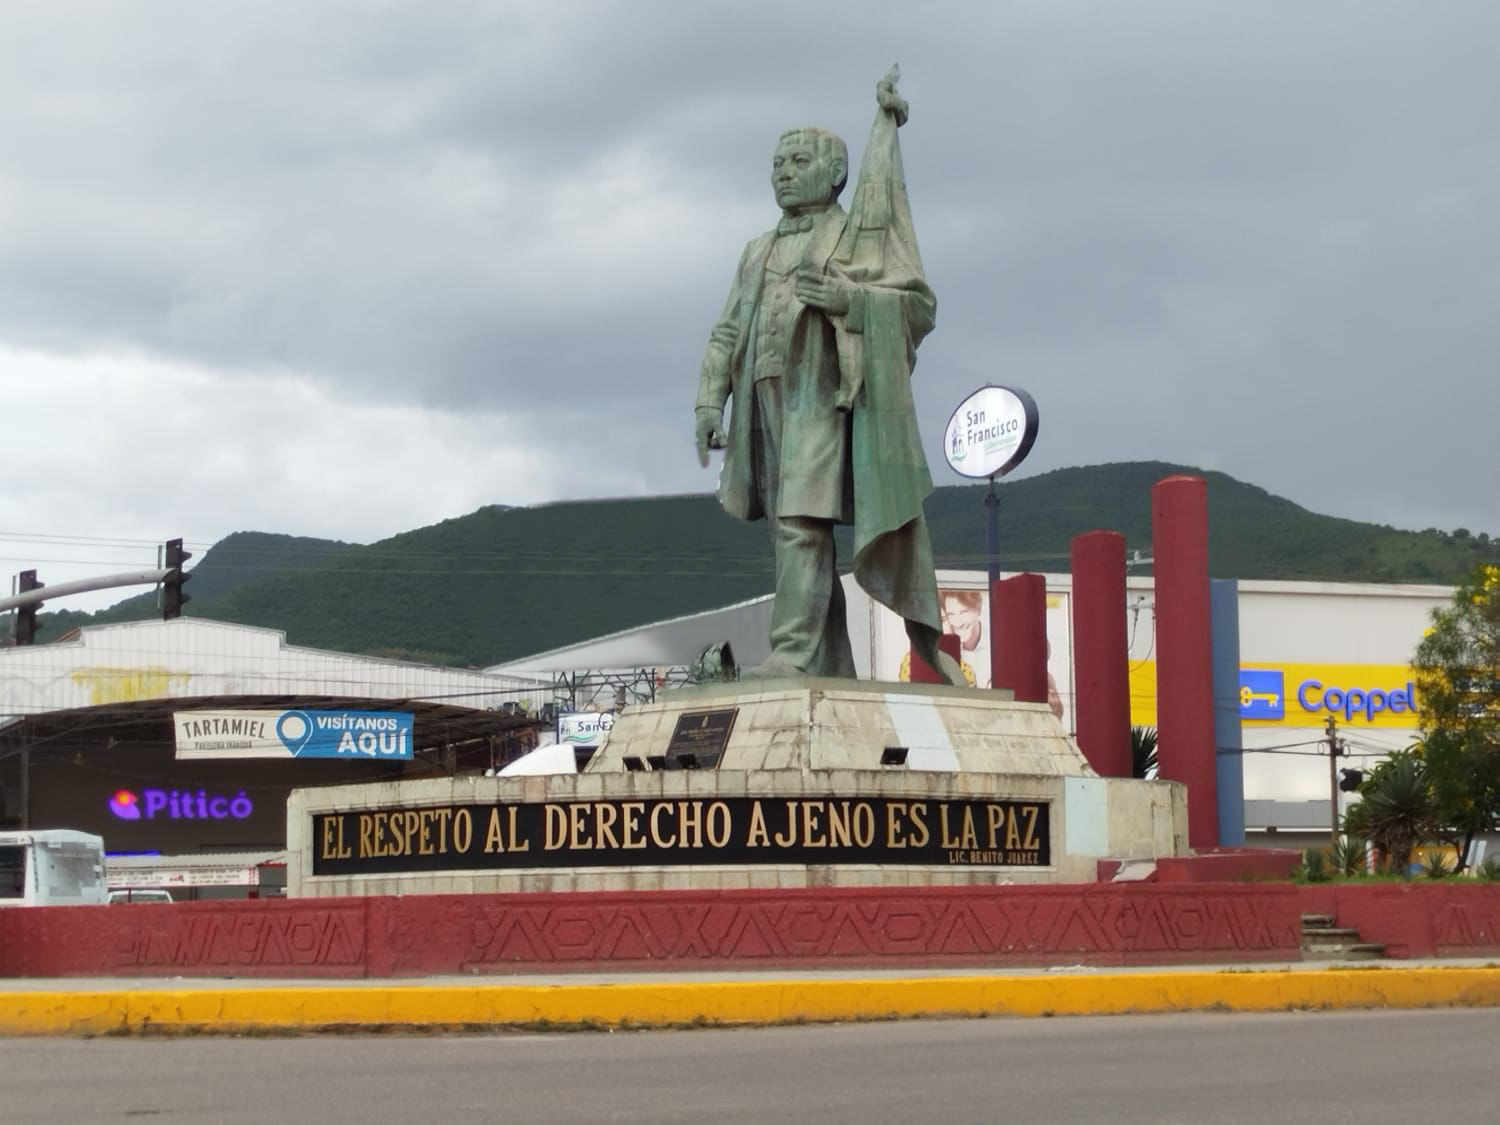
x=659 y=831
x=703 y=734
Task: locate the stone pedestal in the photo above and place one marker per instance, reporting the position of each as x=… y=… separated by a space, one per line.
x=818 y=725
x=778 y=784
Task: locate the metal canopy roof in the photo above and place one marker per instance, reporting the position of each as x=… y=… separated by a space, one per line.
x=435 y=725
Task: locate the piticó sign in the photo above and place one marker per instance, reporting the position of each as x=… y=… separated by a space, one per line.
x=991 y=432
x=356 y=735
x=179 y=804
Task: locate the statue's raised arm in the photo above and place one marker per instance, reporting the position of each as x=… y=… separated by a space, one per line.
x=888 y=99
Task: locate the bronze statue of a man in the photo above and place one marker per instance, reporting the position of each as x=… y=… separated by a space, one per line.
x=815 y=348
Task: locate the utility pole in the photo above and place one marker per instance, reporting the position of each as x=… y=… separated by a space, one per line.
x=1332 y=731
x=25 y=781
x=992 y=531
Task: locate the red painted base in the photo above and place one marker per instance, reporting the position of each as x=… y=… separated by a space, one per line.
x=424 y=935
x=421 y=935
x=1216 y=865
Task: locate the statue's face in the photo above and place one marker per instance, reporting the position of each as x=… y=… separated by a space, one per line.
x=801 y=176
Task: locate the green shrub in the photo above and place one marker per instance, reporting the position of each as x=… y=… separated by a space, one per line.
x=1348 y=855
x=1435 y=865
x=1314 y=868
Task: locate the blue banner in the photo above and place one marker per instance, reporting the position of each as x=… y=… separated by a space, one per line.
x=372 y=735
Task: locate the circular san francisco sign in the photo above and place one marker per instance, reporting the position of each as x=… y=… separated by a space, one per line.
x=991 y=432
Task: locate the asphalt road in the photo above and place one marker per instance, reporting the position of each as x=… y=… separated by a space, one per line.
x=1426 y=1067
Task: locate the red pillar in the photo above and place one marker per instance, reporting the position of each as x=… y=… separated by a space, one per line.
x=1018 y=636
x=1184 y=656
x=921 y=673
x=1101 y=660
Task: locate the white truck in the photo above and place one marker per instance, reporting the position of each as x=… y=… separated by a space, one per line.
x=51 y=867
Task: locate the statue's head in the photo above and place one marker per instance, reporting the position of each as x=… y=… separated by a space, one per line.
x=809 y=169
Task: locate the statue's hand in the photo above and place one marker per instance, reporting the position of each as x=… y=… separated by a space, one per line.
x=890 y=101
x=823 y=292
x=725 y=335
x=710 y=431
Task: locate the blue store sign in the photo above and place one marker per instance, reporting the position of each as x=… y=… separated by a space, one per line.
x=347 y=734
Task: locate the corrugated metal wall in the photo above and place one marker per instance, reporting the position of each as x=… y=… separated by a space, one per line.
x=188 y=658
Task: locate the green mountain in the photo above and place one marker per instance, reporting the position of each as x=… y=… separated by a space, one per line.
x=236 y=560
x=1251 y=533
x=502 y=583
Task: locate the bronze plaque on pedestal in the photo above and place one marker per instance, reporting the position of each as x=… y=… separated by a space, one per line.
x=703 y=734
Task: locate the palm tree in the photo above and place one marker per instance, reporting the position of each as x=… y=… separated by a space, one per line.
x=1142 y=752
x=1395 y=810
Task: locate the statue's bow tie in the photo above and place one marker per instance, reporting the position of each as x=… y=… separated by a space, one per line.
x=794 y=224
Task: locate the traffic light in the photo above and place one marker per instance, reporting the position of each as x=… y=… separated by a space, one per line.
x=23 y=626
x=1349 y=780
x=172 y=597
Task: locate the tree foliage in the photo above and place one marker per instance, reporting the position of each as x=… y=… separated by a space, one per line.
x=1458 y=682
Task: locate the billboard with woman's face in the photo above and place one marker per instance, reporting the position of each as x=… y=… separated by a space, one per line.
x=965 y=614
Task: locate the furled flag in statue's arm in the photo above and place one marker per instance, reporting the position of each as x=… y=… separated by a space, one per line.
x=892 y=310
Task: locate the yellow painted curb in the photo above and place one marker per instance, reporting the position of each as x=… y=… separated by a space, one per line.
x=304 y=1007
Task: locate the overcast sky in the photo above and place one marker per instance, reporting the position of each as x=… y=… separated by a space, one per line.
x=349 y=269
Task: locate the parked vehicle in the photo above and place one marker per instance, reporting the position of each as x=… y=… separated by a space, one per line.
x=51 y=867
x=141 y=894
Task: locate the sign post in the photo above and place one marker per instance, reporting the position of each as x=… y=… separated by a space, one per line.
x=989 y=434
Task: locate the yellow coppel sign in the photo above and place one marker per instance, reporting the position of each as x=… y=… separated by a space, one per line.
x=1303 y=695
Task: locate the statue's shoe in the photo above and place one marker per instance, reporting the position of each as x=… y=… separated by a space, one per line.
x=773 y=668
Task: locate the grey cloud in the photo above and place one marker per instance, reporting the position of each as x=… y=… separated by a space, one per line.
x=1208 y=233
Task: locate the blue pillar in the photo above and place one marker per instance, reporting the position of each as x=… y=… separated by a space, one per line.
x=1224 y=612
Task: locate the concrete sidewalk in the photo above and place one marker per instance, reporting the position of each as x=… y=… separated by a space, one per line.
x=119 y=1006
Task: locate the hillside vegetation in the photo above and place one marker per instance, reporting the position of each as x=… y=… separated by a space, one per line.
x=236 y=560
x=502 y=583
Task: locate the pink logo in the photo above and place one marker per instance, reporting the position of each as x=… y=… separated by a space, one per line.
x=125 y=805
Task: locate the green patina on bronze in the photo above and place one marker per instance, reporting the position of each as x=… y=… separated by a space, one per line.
x=814 y=350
